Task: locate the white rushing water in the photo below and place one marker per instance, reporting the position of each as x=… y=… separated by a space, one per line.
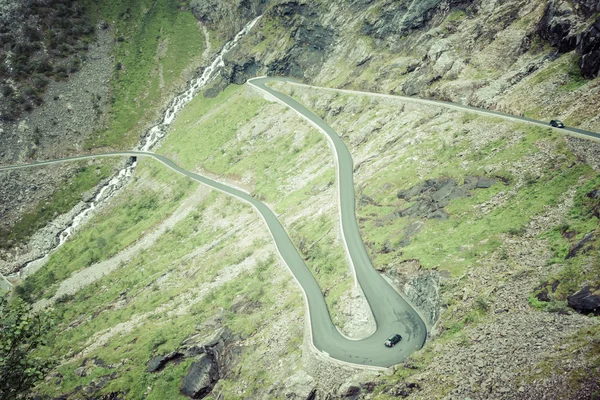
x=151 y=139
x=158 y=132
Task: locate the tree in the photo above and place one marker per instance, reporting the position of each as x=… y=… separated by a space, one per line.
x=21 y=332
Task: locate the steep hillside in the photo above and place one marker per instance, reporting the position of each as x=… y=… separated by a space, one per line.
x=172 y=290
x=137 y=57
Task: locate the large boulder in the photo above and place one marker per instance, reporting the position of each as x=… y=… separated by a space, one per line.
x=200 y=379
x=586 y=301
x=583 y=245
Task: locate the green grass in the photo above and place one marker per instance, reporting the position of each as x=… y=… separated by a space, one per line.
x=580 y=220
x=208 y=139
x=456 y=16
x=152 y=36
x=68 y=194
x=193 y=143
x=567 y=67
x=163 y=331
x=134 y=211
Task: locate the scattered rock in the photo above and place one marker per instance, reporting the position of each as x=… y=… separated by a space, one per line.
x=364 y=200
x=594 y=195
x=81 y=372
x=387 y=247
x=351 y=391
x=404 y=389
x=300 y=386
x=54 y=378
x=545 y=289
x=430 y=197
x=242 y=304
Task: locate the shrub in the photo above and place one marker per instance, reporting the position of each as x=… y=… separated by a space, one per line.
x=6 y=90
x=21 y=332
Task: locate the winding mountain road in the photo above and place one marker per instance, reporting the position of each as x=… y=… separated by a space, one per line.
x=391 y=312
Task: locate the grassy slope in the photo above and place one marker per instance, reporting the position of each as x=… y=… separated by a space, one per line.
x=166 y=293
x=68 y=194
x=156 y=43
x=450 y=148
x=240 y=145
x=151 y=36
x=134 y=210
x=433 y=146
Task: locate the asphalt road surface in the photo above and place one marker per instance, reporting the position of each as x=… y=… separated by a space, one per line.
x=391 y=312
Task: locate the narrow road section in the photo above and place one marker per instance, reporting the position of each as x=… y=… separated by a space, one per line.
x=391 y=312
x=393 y=315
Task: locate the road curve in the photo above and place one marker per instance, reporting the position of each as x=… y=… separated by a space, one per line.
x=575 y=132
x=391 y=312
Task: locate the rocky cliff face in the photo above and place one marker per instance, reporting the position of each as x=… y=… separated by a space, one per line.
x=460 y=50
x=566 y=26
x=229 y=16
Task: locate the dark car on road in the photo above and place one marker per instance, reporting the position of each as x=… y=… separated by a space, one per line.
x=557 y=124
x=393 y=340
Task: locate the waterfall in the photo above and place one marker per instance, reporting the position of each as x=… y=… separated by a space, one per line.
x=152 y=137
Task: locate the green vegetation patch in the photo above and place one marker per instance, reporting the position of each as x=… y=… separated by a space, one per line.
x=209 y=135
x=156 y=42
x=567 y=68
x=574 y=243
x=68 y=194
x=157 y=298
x=135 y=210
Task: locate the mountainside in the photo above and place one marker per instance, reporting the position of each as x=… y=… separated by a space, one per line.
x=169 y=289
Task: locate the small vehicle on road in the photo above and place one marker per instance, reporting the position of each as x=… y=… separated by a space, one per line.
x=557 y=124
x=393 y=340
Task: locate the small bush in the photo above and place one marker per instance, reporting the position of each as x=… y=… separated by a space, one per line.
x=6 y=90
x=482 y=304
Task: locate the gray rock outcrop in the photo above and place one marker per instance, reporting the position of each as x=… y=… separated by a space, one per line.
x=582 y=245
x=589 y=48
x=200 y=379
x=224 y=16
x=564 y=24
x=158 y=363
x=586 y=301
x=429 y=198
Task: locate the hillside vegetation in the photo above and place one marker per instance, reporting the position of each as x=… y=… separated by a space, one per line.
x=489 y=227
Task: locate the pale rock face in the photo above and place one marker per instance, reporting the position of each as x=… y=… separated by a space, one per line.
x=444 y=64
